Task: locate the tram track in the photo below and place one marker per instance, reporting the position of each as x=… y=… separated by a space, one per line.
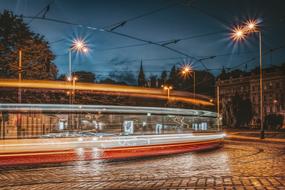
x=118 y=167
x=258 y=151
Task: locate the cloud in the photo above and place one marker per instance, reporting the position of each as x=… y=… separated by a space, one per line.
x=117 y=61
x=125 y=76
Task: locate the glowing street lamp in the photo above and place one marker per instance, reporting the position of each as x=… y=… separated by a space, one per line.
x=77 y=45
x=168 y=88
x=240 y=33
x=85 y=50
x=251 y=26
x=186 y=71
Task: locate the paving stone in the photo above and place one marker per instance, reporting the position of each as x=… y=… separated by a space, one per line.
x=238 y=165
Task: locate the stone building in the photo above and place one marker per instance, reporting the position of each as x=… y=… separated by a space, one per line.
x=246 y=84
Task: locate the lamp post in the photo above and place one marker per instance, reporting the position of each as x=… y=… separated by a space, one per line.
x=187 y=70
x=72 y=94
x=218 y=107
x=78 y=45
x=239 y=33
x=19 y=117
x=168 y=88
x=20 y=77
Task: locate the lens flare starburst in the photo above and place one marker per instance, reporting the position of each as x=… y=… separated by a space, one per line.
x=251 y=25
x=238 y=33
x=79 y=45
x=186 y=70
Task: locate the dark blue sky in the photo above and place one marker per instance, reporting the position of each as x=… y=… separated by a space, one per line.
x=175 y=22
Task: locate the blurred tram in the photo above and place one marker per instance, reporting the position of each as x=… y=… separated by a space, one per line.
x=104 y=131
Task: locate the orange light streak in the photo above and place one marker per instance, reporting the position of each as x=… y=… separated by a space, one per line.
x=107 y=89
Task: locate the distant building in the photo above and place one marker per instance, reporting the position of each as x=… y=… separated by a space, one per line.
x=247 y=86
x=141 y=77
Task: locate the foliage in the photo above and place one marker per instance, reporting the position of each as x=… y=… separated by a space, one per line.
x=204 y=81
x=237 y=112
x=153 y=81
x=126 y=77
x=111 y=81
x=84 y=76
x=37 y=58
x=62 y=77
x=273 y=121
x=163 y=78
x=173 y=77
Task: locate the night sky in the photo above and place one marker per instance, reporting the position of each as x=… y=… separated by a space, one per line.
x=212 y=20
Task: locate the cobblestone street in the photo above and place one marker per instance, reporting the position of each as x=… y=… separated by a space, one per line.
x=238 y=165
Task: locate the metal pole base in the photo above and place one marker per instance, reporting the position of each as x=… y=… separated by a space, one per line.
x=262 y=136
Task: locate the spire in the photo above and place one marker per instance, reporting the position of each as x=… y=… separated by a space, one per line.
x=141 y=77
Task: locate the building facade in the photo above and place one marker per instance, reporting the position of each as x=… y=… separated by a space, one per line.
x=247 y=85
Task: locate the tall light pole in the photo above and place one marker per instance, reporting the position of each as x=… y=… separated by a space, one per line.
x=19 y=118
x=168 y=88
x=20 y=77
x=218 y=107
x=261 y=87
x=78 y=45
x=69 y=62
x=72 y=94
x=240 y=33
x=187 y=71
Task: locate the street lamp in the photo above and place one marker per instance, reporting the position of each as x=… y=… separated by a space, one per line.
x=77 y=45
x=240 y=33
x=72 y=93
x=168 y=88
x=186 y=71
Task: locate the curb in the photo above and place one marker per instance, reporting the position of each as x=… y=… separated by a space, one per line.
x=255 y=139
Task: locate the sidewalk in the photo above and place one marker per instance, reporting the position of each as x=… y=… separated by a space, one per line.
x=253 y=136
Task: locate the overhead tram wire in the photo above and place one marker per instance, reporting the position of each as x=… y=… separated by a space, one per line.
x=125 y=21
x=216 y=56
x=166 y=41
x=204 y=79
x=57 y=41
x=43 y=10
x=144 y=44
x=221 y=20
x=119 y=34
x=161 y=45
x=147 y=14
x=254 y=58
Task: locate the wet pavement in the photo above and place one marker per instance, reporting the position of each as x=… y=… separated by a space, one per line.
x=238 y=165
